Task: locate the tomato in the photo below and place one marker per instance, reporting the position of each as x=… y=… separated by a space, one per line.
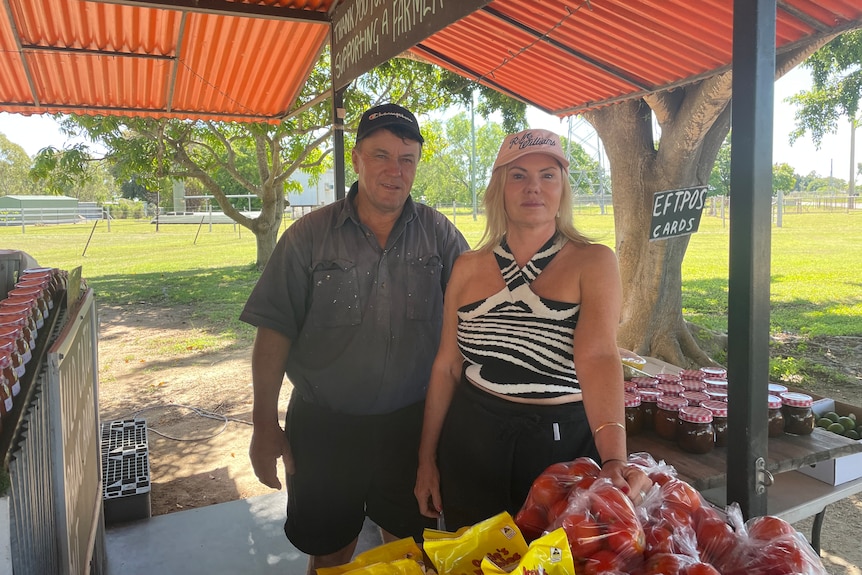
x=532 y=521
x=547 y=490
x=658 y=539
x=768 y=527
x=679 y=491
x=585 y=467
x=700 y=569
x=660 y=477
x=715 y=539
x=585 y=482
x=674 y=514
x=665 y=564
x=600 y=562
x=705 y=512
x=585 y=535
x=780 y=558
x=557 y=511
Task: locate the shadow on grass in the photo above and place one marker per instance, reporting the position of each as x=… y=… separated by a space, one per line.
x=706 y=302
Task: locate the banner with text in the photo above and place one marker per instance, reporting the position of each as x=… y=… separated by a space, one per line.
x=676 y=212
x=366 y=33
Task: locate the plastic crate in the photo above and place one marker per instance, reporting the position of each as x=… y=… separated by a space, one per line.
x=125 y=470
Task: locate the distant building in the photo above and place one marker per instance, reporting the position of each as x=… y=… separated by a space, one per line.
x=313 y=195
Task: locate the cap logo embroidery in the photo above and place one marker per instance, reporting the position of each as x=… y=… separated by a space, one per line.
x=527 y=140
x=376 y=115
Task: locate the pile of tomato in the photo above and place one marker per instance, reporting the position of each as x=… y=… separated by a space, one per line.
x=672 y=532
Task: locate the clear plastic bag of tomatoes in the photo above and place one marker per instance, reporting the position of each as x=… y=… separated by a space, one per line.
x=603 y=530
x=769 y=545
x=549 y=495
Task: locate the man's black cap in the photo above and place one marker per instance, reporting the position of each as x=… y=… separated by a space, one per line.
x=389 y=116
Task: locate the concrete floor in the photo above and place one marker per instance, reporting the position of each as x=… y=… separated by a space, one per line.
x=238 y=537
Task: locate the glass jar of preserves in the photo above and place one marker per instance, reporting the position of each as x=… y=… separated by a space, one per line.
x=691 y=374
x=9 y=346
x=30 y=301
x=21 y=345
x=634 y=415
x=649 y=398
x=718 y=409
x=7 y=371
x=696 y=433
x=693 y=384
x=798 y=416
x=36 y=292
x=6 y=402
x=668 y=377
x=16 y=313
x=666 y=421
x=716 y=372
x=775 y=418
x=670 y=389
x=716 y=383
x=694 y=397
x=23 y=326
x=644 y=382
x=776 y=389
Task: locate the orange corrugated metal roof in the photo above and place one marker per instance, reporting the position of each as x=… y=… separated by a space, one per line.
x=248 y=59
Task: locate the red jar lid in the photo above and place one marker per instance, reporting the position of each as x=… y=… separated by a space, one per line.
x=694 y=414
x=693 y=384
x=670 y=388
x=630 y=386
x=715 y=383
x=794 y=399
x=777 y=389
x=642 y=381
x=774 y=401
x=16 y=309
x=8 y=345
x=632 y=399
x=5 y=360
x=26 y=291
x=649 y=395
x=667 y=377
x=717 y=408
x=694 y=397
x=717 y=394
x=692 y=374
x=13 y=320
x=671 y=403
x=714 y=372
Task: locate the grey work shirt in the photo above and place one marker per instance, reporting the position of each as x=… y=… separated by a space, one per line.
x=364 y=321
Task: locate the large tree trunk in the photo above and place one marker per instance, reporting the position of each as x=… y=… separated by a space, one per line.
x=694 y=121
x=267 y=225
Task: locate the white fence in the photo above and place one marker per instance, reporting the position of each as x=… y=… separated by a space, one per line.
x=23 y=217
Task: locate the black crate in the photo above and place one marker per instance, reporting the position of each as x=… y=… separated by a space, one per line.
x=125 y=470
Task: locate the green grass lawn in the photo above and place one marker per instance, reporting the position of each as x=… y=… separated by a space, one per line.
x=816 y=263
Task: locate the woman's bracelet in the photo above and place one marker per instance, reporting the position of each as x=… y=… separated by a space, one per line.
x=609 y=423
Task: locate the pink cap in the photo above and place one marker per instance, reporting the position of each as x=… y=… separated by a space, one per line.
x=718 y=408
x=694 y=397
x=670 y=388
x=773 y=401
x=643 y=381
x=668 y=377
x=692 y=374
x=632 y=399
x=649 y=395
x=671 y=403
x=693 y=384
x=714 y=371
x=774 y=388
x=530 y=142
x=630 y=386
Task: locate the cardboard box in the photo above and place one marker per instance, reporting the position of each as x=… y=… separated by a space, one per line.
x=842 y=469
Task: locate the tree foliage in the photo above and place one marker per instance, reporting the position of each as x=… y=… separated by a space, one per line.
x=257 y=159
x=14 y=169
x=836 y=71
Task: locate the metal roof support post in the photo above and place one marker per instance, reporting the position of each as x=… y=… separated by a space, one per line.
x=338 y=113
x=749 y=269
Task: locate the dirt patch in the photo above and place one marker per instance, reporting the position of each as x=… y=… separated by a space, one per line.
x=198 y=407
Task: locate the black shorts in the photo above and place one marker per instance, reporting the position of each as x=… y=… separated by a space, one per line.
x=491 y=450
x=349 y=467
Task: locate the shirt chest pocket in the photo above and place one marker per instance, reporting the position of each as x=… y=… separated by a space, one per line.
x=334 y=294
x=424 y=291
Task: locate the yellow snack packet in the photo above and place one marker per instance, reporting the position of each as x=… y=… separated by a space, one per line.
x=550 y=554
x=497 y=537
x=397 y=567
x=406 y=548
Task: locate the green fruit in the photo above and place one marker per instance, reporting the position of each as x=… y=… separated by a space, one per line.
x=824 y=422
x=832 y=415
x=847 y=423
x=836 y=428
x=852 y=416
x=852 y=434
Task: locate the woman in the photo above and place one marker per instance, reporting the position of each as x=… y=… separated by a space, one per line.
x=532 y=303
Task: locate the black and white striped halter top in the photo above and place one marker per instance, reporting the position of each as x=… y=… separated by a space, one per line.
x=515 y=342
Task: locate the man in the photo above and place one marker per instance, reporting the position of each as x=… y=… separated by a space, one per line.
x=350 y=307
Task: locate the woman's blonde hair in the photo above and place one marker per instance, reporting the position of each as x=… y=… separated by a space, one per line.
x=495 y=212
